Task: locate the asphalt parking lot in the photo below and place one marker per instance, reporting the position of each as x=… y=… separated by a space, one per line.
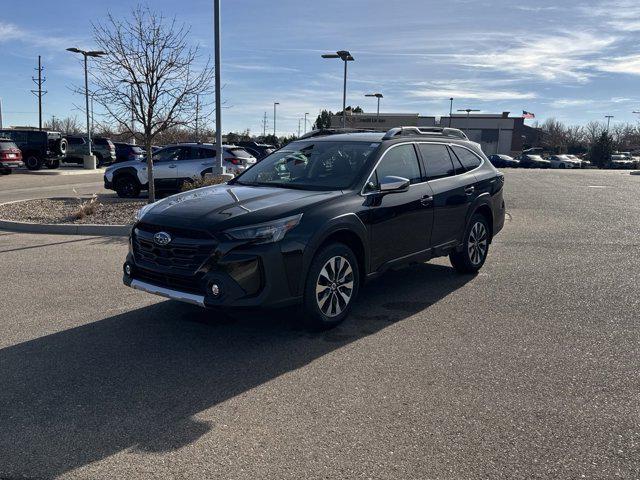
x=530 y=369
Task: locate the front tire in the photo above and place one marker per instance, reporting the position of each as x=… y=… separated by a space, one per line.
x=127 y=187
x=475 y=247
x=331 y=287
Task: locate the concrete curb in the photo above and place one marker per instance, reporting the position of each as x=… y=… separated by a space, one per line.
x=61 y=171
x=64 y=228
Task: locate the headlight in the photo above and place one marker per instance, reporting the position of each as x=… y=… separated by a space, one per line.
x=140 y=213
x=268 y=232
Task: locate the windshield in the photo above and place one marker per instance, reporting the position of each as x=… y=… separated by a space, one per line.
x=319 y=165
x=535 y=157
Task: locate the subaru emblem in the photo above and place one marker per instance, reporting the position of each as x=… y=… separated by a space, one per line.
x=161 y=238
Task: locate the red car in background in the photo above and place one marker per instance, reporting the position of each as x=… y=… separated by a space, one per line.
x=10 y=156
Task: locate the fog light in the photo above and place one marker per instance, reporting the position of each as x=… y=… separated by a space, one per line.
x=127 y=269
x=215 y=290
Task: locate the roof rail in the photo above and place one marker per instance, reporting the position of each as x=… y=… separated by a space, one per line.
x=445 y=132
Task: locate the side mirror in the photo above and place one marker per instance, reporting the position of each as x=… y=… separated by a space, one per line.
x=391 y=184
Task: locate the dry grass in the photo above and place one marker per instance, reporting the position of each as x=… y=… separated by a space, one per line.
x=86 y=208
x=207 y=181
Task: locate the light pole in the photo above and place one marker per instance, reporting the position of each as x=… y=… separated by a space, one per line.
x=219 y=168
x=275 y=104
x=85 y=54
x=608 y=117
x=305 y=121
x=378 y=96
x=468 y=110
x=131 y=84
x=346 y=57
x=450 y=110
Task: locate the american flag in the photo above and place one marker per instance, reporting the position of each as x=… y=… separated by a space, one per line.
x=526 y=114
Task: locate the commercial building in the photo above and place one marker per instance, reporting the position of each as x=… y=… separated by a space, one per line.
x=384 y=122
x=496 y=133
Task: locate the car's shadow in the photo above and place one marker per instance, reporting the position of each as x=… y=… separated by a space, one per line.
x=137 y=379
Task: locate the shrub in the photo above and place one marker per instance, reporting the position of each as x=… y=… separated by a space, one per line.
x=86 y=208
x=207 y=181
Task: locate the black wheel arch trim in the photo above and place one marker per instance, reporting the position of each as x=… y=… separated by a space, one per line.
x=348 y=223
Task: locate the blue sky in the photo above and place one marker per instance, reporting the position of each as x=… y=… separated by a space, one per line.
x=575 y=61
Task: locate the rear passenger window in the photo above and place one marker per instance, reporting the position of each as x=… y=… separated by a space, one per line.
x=437 y=160
x=400 y=161
x=468 y=159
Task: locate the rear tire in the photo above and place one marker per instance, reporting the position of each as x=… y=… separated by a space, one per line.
x=127 y=187
x=475 y=246
x=32 y=162
x=331 y=287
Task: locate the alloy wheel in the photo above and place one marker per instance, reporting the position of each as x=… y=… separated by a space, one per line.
x=334 y=287
x=477 y=243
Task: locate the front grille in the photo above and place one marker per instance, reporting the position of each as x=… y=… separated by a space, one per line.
x=189 y=284
x=184 y=255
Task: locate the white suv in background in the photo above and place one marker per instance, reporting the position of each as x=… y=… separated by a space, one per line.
x=172 y=166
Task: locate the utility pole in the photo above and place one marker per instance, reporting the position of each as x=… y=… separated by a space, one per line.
x=0 y=113
x=197 y=114
x=305 y=122
x=39 y=81
x=264 y=125
x=299 y=120
x=450 y=110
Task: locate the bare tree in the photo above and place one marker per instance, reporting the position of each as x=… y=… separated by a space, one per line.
x=66 y=125
x=150 y=74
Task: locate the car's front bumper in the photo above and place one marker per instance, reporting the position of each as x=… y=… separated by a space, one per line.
x=251 y=276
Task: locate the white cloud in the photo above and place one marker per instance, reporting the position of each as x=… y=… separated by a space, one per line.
x=566 y=56
x=569 y=102
x=9 y=31
x=629 y=64
x=468 y=90
x=622 y=15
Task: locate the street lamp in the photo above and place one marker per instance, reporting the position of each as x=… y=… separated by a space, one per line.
x=345 y=56
x=608 y=117
x=450 y=110
x=468 y=110
x=85 y=54
x=131 y=83
x=305 y=121
x=378 y=96
x=274 y=117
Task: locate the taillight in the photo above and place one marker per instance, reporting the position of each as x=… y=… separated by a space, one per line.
x=235 y=161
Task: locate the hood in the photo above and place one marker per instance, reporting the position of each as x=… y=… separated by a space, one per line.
x=232 y=205
x=127 y=163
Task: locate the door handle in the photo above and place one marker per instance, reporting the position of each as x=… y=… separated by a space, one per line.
x=469 y=190
x=426 y=200
x=172 y=166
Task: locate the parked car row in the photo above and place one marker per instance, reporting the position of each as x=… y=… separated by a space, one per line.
x=173 y=166
x=534 y=160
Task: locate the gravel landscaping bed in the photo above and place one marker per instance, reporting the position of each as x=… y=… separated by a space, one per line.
x=111 y=211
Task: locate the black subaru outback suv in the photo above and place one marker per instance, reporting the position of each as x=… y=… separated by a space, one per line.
x=314 y=220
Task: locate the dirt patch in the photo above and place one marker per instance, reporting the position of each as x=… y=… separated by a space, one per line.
x=110 y=211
